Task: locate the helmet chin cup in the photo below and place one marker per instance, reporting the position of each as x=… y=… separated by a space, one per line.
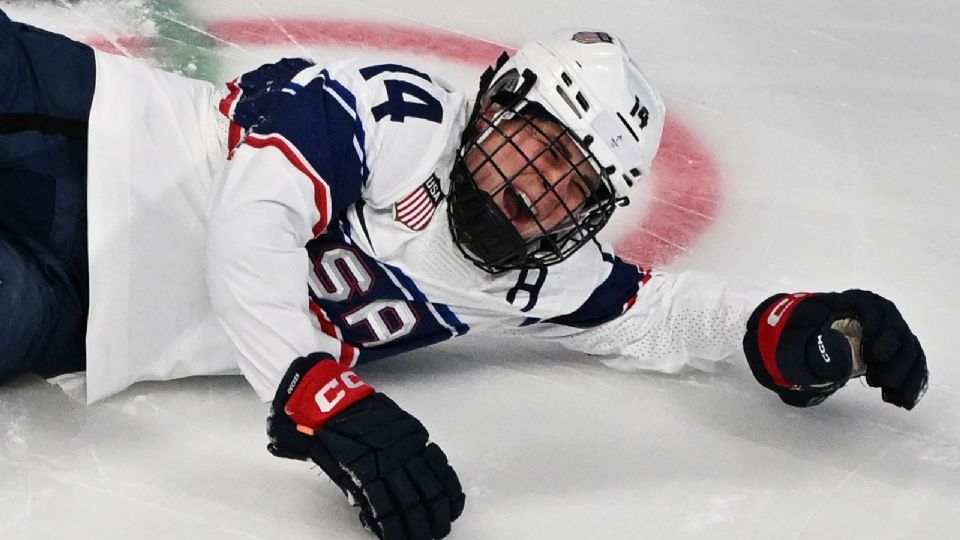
x=484 y=235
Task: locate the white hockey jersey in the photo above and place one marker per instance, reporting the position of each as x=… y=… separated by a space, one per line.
x=327 y=230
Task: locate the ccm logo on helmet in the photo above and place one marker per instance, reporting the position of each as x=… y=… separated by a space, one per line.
x=325 y=401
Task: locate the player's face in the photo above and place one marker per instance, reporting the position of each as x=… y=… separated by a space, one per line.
x=535 y=173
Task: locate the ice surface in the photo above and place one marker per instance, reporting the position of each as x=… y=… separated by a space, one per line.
x=833 y=131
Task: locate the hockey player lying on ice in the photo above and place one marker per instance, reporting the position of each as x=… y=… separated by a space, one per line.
x=310 y=218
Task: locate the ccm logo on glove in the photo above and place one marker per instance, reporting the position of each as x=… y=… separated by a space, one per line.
x=322 y=393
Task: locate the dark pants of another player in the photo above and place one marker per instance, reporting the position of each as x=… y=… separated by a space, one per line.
x=46 y=89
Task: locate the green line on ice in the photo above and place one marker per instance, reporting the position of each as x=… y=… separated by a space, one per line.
x=181 y=44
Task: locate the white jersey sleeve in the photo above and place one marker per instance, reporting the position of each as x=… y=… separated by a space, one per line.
x=675 y=321
x=307 y=143
x=257 y=268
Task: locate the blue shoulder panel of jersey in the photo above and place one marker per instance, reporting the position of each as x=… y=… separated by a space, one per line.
x=609 y=300
x=316 y=121
x=261 y=90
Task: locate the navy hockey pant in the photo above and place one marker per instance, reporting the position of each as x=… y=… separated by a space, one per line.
x=46 y=89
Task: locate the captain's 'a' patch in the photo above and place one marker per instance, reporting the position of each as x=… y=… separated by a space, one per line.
x=416 y=209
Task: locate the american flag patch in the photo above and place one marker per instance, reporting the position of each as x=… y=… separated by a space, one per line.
x=416 y=209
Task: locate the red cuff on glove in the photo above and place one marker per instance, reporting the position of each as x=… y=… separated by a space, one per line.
x=324 y=391
x=770 y=328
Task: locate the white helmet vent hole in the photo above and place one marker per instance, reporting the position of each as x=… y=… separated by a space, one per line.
x=583 y=102
x=568 y=101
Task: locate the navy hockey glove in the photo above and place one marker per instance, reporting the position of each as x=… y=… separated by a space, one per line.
x=371 y=448
x=806 y=346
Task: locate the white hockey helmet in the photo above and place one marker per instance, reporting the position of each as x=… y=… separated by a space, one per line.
x=583 y=83
x=586 y=79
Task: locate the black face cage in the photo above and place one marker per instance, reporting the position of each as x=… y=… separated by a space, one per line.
x=479 y=227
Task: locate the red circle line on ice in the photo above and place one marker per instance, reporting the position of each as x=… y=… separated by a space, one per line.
x=685 y=187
